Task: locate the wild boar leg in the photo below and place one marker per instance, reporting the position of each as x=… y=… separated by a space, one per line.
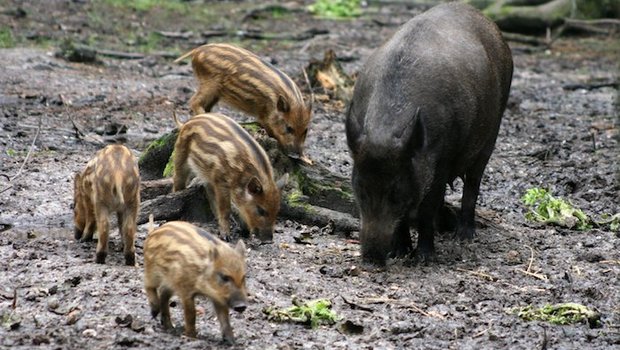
x=181 y=168
x=427 y=211
x=189 y=312
x=102 y=231
x=127 y=227
x=205 y=98
x=222 y=201
x=165 y=294
x=401 y=240
x=466 y=227
x=151 y=295
x=223 y=317
x=90 y=224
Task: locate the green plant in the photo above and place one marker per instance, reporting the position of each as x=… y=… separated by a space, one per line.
x=147 y=5
x=6 y=38
x=169 y=169
x=560 y=314
x=312 y=313
x=336 y=8
x=543 y=207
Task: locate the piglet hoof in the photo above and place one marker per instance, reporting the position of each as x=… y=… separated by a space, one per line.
x=78 y=234
x=228 y=340
x=154 y=312
x=100 y=259
x=130 y=259
x=190 y=334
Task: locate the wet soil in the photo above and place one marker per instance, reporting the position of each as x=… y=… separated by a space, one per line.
x=53 y=295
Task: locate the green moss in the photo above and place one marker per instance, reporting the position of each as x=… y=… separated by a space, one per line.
x=310 y=188
x=6 y=38
x=545 y=208
x=251 y=127
x=161 y=142
x=559 y=314
x=169 y=169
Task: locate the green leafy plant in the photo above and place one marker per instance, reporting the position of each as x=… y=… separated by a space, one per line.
x=336 y=8
x=6 y=38
x=543 y=207
x=560 y=314
x=312 y=313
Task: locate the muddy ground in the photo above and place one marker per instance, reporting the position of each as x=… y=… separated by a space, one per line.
x=562 y=139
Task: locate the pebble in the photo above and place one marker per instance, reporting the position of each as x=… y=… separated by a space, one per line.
x=90 y=333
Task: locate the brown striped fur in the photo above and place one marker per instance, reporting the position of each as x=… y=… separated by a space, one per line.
x=233 y=167
x=110 y=183
x=246 y=82
x=182 y=259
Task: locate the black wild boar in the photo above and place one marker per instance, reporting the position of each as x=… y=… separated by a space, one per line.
x=426 y=109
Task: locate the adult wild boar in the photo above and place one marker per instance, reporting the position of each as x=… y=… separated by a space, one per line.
x=426 y=109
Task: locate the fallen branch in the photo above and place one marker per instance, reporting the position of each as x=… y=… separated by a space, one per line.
x=305 y=35
x=591 y=86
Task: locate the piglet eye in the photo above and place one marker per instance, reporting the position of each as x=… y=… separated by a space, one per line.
x=224 y=278
x=289 y=129
x=260 y=211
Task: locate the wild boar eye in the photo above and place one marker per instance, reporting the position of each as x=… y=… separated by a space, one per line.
x=260 y=211
x=224 y=278
x=289 y=129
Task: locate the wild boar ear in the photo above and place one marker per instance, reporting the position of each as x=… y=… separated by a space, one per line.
x=282 y=181
x=213 y=254
x=254 y=186
x=240 y=248
x=283 y=105
x=415 y=133
x=352 y=129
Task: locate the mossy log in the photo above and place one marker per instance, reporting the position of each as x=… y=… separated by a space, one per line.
x=329 y=74
x=533 y=16
x=313 y=196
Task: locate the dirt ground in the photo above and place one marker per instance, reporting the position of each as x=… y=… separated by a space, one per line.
x=53 y=295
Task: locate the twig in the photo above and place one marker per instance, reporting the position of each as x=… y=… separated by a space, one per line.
x=479 y=274
x=401 y=303
x=29 y=152
x=529 y=267
x=356 y=306
x=534 y=274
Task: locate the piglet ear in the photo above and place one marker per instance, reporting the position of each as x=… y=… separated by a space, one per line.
x=254 y=186
x=282 y=181
x=240 y=248
x=283 y=105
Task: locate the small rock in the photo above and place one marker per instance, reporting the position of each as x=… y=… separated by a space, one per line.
x=90 y=333
x=52 y=304
x=513 y=257
x=350 y=327
x=40 y=339
x=353 y=271
x=124 y=321
x=73 y=316
x=137 y=326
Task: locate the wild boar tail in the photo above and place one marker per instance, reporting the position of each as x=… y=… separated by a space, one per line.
x=151 y=225
x=186 y=55
x=176 y=120
x=117 y=191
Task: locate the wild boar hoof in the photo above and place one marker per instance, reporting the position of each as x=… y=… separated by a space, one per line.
x=228 y=340
x=101 y=257
x=465 y=233
x=425 y=256
x=154 y=312
x=78 y=234
x=130 y=259
x=190 y=334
